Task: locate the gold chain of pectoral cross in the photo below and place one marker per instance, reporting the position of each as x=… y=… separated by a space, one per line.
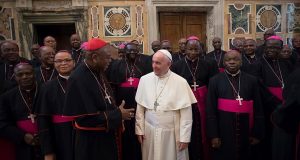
x=193 y=73
x=237 y=92
x=107 y=96
x=31 y=115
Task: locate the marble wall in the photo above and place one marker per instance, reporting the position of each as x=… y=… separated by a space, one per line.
x=117 y=21
x=252 y=18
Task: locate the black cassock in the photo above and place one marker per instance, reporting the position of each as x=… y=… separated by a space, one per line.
x=77 y=55
x=98 y=119
x=125 y=79
x=288 y=116
x=250 y=65
x=233 y=128
x=272 y=96
x=43 y=75
x=35 y=62
x=201 y=71
x=217 y=57
x=15 y=121
x=295 y=57
x=56 y=132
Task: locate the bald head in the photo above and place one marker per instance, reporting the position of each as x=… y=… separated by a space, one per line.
x=50 y=41
x=47 y=55
x=217 y=43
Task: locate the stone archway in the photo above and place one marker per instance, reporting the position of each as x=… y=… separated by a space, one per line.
x=29 y=18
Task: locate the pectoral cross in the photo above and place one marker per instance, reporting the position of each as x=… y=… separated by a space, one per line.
x=108 y=98
x=31 y=117
x=156 y=104
x=239 y=99
x=195 y=85
x=130 y=80
x=282 y=85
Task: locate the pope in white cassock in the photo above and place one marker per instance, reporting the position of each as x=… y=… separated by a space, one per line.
x=164 y=113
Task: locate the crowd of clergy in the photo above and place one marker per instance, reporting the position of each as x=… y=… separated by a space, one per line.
x=82 y=104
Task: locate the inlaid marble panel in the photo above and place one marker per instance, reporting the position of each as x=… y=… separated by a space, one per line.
x=293 y=17
x=117 y=21
x=239 y=18
x=268 y=16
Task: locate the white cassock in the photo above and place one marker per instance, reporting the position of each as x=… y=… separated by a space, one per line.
x=170 y=122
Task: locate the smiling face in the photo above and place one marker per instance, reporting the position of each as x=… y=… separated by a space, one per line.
x=75 y=41
x=47 y=55
x=131 y=51
x=273 y=48
x=63 y=63
x=10 y=52
x=249 y=47
x=160 y=64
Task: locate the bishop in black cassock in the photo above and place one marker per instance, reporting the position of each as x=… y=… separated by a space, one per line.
x=217 y=54
x=125 y=75
x=77 y=52
x=287 y=117
x=56 y=130
x=46 y=71
x=10 y=58
x=18 y=122
x=197 y=72
x=89 y=99
x=274 y=72
x=235 y=119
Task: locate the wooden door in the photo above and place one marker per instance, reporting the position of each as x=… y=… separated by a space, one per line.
x=173 y=26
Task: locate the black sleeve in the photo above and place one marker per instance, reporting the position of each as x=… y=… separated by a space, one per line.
x=8 y=128
x=258 y=130
x=212 y=124
x=109 y=119
x=46 y=134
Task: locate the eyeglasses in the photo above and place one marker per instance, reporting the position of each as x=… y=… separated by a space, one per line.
x=60 y=61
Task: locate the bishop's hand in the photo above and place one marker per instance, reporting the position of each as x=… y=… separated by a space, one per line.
x=29 y=139
x=127 y=114
x=216 y=143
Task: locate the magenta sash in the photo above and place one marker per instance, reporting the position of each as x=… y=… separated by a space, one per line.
x=62 y=119
x=200 y=95
x=27 y=126
x=7 y=150
x=277 y=92
x=221 y=70
x=230 y=105
x=134 y=84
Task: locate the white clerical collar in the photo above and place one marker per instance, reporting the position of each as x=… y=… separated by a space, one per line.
x=165 y=75
x=64 y=77
x=233 y=74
